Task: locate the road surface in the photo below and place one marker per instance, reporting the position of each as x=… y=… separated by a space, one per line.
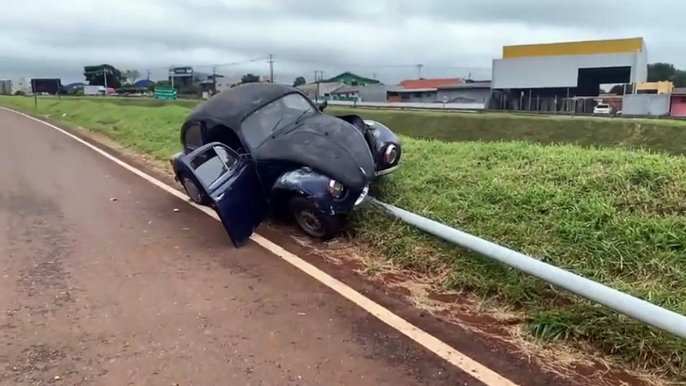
x=106 y=279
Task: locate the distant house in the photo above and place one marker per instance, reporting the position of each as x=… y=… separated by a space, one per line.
x=320 y=91
x=678 y=102
x=420 y=90
x=415 y=95
x=350 y=79
x=346 y=93
x=429 y=83
x=373 y=93
x=143 y=83
x=469 y=92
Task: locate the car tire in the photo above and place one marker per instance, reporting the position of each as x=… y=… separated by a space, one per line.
x=312 y=221
x=194 y=193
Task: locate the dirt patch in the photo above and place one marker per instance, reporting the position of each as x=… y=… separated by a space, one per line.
x=498 y=328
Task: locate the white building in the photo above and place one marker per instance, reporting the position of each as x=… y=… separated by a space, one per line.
x=21 y=84
x=575 y=67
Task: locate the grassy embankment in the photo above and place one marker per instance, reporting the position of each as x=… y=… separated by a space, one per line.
x=615 y=215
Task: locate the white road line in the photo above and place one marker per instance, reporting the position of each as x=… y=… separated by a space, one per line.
x=433 y=344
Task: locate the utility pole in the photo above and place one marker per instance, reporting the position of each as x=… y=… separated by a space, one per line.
x=318 y=80
x=318 y=75
x=419 y=71
x=214 y=80
x=104 y=73
x=148 y=74
x=271 y=68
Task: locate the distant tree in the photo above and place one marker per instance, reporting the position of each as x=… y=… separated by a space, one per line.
x=299 y=81
x=95 y=75
x=679 y=78
x=617 y=89
x=250 y=78
x=131 y=76
x=661 y=71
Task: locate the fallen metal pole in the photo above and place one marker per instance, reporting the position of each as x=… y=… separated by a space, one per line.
x=636 y=308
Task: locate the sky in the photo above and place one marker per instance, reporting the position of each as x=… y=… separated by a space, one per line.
x=385 y=39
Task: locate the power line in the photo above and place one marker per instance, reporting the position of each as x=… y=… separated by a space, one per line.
x=340 y=64
x=224 y=64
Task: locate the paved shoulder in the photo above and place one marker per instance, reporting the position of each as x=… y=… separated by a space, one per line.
x=104 y=282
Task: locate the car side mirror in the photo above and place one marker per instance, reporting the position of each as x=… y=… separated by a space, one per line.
x=323 y=105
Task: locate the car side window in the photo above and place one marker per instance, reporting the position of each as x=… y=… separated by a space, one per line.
x=226 y=157
x=193 y=136
x=211 y=165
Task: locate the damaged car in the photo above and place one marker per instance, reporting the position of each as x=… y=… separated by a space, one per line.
x=262 y=147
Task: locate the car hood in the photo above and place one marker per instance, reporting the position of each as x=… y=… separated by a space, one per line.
x=328 y=145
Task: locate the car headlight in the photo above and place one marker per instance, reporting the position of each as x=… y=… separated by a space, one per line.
x=390 y=155
x=336 y=188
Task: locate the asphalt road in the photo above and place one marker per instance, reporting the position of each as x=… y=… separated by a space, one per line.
x=103 y=282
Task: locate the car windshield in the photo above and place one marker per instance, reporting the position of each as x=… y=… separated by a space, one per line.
x=274 y=116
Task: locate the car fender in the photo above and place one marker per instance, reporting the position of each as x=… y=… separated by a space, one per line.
x=381 y=136
x=309 y=184
x=176 y=165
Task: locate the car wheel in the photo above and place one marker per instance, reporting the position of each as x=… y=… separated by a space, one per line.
x=196 y=195
x=312 y=221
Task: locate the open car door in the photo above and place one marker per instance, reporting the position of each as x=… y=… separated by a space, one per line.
x=233 y=186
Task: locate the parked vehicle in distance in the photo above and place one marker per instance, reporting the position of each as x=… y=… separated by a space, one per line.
x=94 y=90
x=602 y=108
x=262 y=147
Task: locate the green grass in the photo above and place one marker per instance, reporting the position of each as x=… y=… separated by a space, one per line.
x=613 y=214
x=660 y=135
x=153 y=131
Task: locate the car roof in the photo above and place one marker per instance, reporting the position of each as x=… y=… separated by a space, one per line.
x=231 y=106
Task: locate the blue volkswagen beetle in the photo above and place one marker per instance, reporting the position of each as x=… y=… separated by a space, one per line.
x=261 y=146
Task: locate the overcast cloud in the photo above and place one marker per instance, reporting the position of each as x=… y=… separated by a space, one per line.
x=382 y=38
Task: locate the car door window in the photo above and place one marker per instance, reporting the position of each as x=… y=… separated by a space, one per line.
x=226 y=157
x=193 y=136
x=212 y=165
